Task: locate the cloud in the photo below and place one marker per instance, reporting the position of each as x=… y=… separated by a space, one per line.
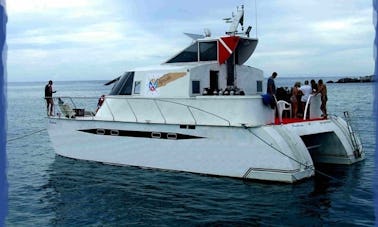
x=75 y=38
x=45 y=6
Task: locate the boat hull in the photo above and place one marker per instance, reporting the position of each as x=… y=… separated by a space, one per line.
x=271 y=152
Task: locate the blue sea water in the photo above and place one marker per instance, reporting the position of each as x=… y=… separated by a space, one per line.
x=49 y=190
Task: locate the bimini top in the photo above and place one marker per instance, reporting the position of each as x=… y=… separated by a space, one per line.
x=205 y=49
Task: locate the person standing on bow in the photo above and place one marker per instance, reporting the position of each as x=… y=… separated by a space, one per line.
x=49 y=99
x=100 y=102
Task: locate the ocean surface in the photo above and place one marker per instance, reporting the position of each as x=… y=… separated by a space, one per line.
x=49 y=190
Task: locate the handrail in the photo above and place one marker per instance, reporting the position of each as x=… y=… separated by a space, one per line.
x=189 y=107
x=307 y=104
x=191 y=113
x=128 y=103
x=110 y=110
x=196 y=108
x=352 y=135
x=162 y=115
x=71 y=100
x=73 y=97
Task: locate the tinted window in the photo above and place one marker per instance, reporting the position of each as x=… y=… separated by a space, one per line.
x=195 y=87
x=259 y=86
x=190 y=54
x=208 y=51
x=137 y=87
x=124 y=86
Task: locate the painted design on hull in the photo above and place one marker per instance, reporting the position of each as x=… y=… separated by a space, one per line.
x=169 y=77
x=156 y=81
x=143 y=134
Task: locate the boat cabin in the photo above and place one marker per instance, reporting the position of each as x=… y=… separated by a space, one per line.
x=206 y=67
x=189 y=81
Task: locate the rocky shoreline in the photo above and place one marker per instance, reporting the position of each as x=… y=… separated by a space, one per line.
x=362 y=79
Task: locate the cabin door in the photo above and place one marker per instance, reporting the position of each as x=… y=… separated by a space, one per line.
x=214 y=80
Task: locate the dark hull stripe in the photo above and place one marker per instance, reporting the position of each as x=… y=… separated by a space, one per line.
x=143 y=134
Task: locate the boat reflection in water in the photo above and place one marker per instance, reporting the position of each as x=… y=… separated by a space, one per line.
x=86 y=193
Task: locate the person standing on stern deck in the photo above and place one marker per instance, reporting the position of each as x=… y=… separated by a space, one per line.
x=322 y=89
x=271 y=90
x=48 y=96
x=271 y=87
x=306 y=90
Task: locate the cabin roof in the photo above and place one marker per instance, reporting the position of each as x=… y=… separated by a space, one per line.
x=168 y=67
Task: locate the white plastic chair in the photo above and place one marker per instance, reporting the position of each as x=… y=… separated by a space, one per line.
x=282 y=106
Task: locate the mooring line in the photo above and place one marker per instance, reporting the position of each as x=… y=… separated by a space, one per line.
x=23 y=136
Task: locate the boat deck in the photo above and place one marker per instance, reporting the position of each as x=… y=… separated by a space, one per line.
x=286 y=120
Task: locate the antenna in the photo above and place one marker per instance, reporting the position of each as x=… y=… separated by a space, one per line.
x=256 y=17
x=248 y=31
x=237 y=19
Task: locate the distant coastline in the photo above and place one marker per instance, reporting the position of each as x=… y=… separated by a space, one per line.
x=362 y=79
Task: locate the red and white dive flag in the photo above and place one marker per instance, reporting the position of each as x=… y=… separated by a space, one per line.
x=226 y=46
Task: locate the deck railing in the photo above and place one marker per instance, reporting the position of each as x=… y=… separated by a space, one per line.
x=311 y=99
x=89 y=104
x=70 y=105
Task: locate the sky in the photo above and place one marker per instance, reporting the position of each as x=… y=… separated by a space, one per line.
x=101 y=39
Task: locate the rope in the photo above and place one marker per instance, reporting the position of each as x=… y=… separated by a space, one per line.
x=270 y=145
x=20 y=137
x=307 y=166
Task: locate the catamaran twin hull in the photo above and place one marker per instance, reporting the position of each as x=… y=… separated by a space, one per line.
x=284 y=153
x=204 y=111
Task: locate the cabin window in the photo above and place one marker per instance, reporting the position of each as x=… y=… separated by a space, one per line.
x=124 y=85
x=208 y=51
x=196 y=87
x=259 y=86
x=190 y=54
x=137 y=87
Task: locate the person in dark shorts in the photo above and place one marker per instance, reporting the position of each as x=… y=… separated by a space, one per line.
x=48 y=96
x=271 y=90
x=322 y=89
x=271 y=87
x=314 y=86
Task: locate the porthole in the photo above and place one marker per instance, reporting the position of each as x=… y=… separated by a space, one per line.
x=171 y=136
x=114 y=132
x=100 y=131
x=156 y=135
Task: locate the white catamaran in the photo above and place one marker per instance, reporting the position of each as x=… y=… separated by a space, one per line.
x=202 y=111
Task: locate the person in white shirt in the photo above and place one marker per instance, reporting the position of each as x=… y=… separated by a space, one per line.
x=306 y=90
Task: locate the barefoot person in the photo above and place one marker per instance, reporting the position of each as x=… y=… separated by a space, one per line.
x=294 y=98
x=322 y=89
x=48 y=96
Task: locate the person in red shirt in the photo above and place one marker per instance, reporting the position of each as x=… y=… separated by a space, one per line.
x=100 y=102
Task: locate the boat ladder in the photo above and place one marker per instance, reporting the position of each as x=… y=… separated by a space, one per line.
x=352 y=135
